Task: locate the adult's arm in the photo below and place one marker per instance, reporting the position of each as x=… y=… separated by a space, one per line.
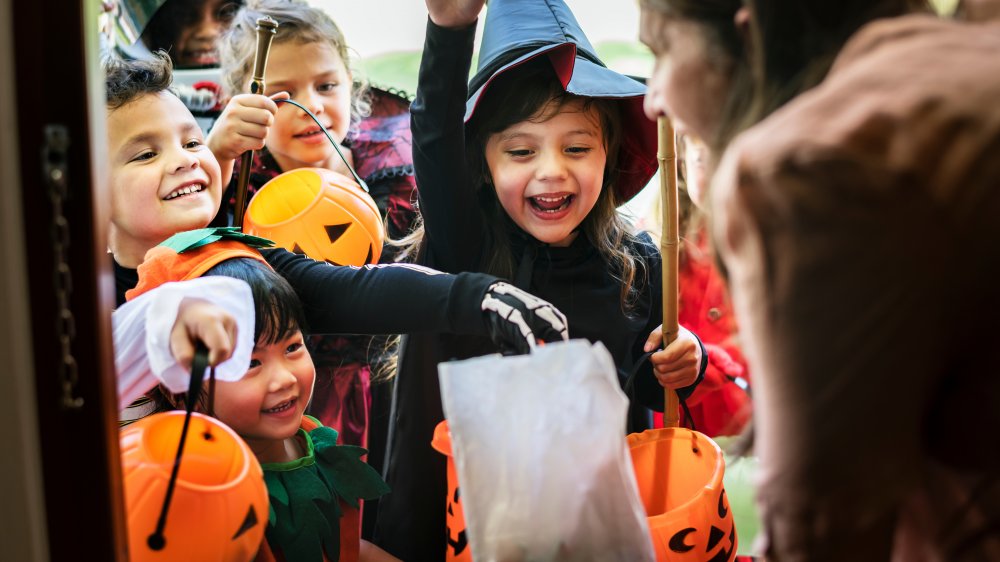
x=448 y=202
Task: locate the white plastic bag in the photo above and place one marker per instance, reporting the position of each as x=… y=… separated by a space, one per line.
x=540 y=451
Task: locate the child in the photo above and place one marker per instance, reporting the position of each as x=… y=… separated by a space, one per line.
x=312 y=482
x=309 y=60
x=164 y=180
x=189 y=30
x=522 y=179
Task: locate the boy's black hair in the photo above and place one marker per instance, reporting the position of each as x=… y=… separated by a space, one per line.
x=277 y=309
x=128 y=80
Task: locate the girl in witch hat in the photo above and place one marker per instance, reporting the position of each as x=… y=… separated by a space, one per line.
x=520 y=175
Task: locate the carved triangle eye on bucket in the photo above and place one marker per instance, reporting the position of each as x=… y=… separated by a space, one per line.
x=335 y=231
x=319 y=213
x=249 y=522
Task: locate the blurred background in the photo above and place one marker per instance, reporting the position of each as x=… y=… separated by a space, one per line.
x=388 y=35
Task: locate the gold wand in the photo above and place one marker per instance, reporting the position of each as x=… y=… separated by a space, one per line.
x=266 y=28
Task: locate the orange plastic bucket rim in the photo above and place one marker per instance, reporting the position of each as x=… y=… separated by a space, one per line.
x=680 y=477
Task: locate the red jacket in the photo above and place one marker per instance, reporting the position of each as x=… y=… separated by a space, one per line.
x=719 y=406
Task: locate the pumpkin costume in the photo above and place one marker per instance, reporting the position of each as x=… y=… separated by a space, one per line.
x=314 y=500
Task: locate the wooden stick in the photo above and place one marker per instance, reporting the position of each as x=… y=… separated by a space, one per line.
x=669 y=245
x=266 y=28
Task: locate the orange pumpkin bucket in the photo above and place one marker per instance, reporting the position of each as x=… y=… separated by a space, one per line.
x=219 y=504
x=319 y=213
x=458 y=543
x=679 y=473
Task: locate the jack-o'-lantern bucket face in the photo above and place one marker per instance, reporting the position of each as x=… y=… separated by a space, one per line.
x=458 y=549
x=319 y=213
x=219 y=508
x=679 y=473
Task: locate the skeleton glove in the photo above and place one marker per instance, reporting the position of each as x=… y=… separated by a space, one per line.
x=517 y=320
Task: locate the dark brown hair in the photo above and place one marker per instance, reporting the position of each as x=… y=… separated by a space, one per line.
x=795 y=43
x=792 y=45
x=128 y=80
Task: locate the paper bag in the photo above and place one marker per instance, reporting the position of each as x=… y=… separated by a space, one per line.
x=539 y=447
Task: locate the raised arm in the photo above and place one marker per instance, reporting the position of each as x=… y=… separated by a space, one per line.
x=453 y=227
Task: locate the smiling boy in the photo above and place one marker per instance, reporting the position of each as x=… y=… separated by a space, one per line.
x=163 y=177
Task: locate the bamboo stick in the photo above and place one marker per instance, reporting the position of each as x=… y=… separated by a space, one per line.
x=669 y=245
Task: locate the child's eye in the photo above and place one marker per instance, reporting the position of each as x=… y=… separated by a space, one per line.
x=254 y=363
x=520 y=153
x=578 y=149
x=327 y=87
x=294 y=347
x=147 y=155
x=193 y=143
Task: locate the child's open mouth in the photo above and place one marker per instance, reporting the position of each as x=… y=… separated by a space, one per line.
x=185 y=190
x=282 y=407
x=550 y=204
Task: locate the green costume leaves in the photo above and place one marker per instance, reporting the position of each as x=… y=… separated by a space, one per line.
x=194 y=239
x=305 y=494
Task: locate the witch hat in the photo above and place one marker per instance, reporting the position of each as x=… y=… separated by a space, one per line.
x=517 y=31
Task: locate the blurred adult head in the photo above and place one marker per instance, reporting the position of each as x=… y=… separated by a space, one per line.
x=723 y=65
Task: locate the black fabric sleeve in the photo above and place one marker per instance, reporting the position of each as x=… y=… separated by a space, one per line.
x=383 y=299
x=452 y=223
